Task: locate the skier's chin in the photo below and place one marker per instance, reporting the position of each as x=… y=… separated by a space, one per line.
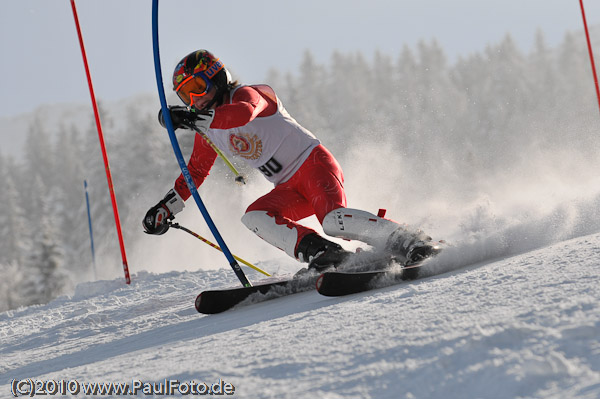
x=202 y=107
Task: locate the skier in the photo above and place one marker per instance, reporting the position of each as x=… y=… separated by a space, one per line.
x=251 y=122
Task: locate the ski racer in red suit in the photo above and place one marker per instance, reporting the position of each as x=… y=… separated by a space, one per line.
x=250 y=122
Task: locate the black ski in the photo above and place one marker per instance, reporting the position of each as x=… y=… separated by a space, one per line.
x=340 y=283
x=329 y=283
x=217 y=301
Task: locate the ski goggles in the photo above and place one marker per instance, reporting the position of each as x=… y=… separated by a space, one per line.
x=196 y=85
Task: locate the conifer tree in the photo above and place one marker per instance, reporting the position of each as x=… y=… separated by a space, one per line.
x=44 y=276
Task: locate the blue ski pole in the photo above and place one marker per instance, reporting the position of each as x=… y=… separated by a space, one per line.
x=177 y=150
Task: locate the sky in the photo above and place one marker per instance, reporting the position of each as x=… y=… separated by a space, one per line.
x=42 y=64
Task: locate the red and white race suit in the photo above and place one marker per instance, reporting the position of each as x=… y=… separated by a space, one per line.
x=308 y=180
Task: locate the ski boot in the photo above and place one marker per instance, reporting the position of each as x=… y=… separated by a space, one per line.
x=411 y=248
x=320 y=253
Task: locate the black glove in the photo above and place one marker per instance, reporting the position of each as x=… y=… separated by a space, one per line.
x=181 y=117
x=157 y=218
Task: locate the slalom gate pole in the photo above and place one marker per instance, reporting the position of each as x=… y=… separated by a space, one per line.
x=87 y=202
x=177 y=150
x=589 y=44
x=102 y=146
x=204 y=240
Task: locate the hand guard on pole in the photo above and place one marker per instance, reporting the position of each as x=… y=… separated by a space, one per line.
x=181 y=117
x=157 y=218
x=184 y=118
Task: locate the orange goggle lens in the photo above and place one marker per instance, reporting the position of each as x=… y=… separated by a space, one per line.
x=194 y=86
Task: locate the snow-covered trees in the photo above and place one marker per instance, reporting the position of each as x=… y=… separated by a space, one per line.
x=44 y=275
x=14 y=240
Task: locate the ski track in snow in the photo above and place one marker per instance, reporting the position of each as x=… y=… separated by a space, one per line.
x=519 y=326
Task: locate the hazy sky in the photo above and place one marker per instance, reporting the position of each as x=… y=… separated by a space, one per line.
x=41 y=61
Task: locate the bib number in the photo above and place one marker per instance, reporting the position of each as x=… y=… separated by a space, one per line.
x=271 y=167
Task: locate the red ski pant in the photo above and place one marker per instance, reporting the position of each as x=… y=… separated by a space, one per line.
x=315 y=189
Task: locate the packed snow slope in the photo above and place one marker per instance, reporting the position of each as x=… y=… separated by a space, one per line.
x=518 y=326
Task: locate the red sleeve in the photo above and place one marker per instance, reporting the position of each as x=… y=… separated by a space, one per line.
x=247 y=103
x=201 y=161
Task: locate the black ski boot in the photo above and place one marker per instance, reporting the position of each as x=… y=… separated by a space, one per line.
x=320 y=253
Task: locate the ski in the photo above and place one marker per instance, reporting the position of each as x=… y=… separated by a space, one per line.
x=339 y=283
x=380 y=271
x=377 y=275
x=217 y=301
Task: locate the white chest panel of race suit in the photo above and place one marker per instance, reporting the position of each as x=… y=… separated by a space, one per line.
x=276 y=145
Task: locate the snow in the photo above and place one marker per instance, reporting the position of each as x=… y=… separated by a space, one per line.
x=517 y=326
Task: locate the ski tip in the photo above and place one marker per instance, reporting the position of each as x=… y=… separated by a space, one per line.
x=198 y=303
x=319 y=281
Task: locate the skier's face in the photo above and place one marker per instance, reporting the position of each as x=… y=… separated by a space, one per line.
x=199 y=102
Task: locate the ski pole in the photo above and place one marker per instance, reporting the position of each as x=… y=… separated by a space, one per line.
x=204 y=240
x=239 y=178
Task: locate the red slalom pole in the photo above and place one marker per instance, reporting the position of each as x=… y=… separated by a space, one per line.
x=102 y=146
x=589 y=43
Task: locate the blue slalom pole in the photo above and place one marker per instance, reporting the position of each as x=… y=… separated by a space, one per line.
x=87 y=201
x=177 y=150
